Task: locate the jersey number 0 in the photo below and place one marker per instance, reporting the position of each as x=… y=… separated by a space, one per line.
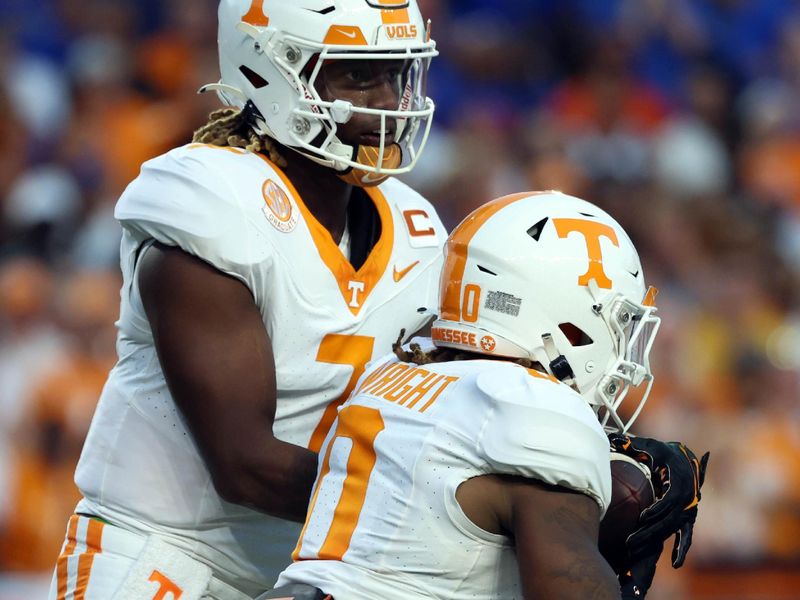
x=362 y=425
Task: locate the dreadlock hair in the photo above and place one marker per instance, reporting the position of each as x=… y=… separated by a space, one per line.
x=418 y=356
x=234 y=127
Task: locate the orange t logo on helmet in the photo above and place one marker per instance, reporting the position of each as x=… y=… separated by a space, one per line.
x=255 y=14
x=591 y=232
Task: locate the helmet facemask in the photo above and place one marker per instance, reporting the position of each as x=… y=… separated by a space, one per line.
x=399 y=137
x=633 y=327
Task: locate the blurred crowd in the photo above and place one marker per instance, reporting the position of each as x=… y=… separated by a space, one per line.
x=678 y=116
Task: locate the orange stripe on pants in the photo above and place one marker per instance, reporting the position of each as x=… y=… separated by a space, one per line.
x=61 y=563
x=94 y=535
x=94 y=538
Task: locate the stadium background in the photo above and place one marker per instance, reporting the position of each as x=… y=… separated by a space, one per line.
x=679 y=116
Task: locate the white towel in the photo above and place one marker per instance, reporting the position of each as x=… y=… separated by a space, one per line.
x=164 y=572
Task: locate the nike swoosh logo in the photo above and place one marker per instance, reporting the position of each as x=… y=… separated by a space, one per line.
x=350 y=34
x=398 y=275
x=372 y=177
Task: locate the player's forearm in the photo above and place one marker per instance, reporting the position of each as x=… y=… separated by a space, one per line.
x=581 y=580
x=583 y=586
x=555 y=532
x=272 y=476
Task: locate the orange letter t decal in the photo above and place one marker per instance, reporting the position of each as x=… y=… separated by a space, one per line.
x=167 y=587
x=591 y=232
x=255 y=15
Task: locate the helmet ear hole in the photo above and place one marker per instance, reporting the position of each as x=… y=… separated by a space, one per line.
x=254 y=78
x=575 y=335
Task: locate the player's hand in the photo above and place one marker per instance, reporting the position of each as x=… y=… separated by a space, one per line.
x=636 y=579
x=677 y=478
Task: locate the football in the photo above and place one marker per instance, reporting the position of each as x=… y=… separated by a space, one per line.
x=631 y=492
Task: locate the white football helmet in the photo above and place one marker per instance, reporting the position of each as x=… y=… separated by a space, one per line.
x=554 y=279
x=271 y=52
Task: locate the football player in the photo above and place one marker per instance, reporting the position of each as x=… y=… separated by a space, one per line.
x=477 y=467
x=263 y=266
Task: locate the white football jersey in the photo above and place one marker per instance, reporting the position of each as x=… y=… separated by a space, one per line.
x=140 y=467
x=384 y=521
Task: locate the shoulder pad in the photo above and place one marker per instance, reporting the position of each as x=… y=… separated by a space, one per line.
x=180 y=189
x=188 y=198
x=542 y=429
